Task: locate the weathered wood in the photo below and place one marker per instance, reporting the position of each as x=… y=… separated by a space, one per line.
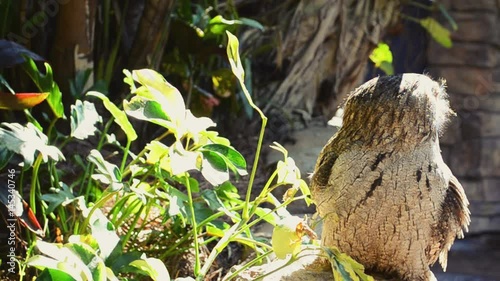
x=328 y=43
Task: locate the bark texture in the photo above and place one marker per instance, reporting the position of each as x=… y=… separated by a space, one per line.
x=328 y=43
x=380 y=184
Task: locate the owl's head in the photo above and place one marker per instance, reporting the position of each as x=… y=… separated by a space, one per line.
x=390 y=109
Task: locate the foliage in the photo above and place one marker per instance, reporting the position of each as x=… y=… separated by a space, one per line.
x=344 y=267
x=108 y=215
x=382 y=58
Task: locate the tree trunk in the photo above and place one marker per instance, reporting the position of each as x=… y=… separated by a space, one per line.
x=74 y=41
x=151 y=35
x=328 y=43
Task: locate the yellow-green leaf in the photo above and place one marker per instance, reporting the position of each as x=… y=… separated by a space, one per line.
x=344 y=267
x=381 y=56
x=437 y=31
x=286 y=239
x=120 y=116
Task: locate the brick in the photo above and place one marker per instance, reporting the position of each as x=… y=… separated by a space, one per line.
x=492 y=190
x=465 y=80
x=480 y=225
x=476 y=158
x=475 y=27
x=451 y=133
x=463 y=54
x=490 y=124
x=462 y=104
x=473 y=189
x=470 y=125
x=476 y=124
x=477 y=5
x=490 y=158
x=466 y=158
x=480 y=208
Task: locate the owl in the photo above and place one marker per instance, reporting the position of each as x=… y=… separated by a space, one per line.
x=380 y=184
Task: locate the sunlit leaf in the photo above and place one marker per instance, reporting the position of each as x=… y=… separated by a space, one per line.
x=214 y=168
x=437 y=31
x=107 y=173
x=84 y=116
x=176 y=203
x=21 y=101
x=381 y=56
x=268 y=215
x=45 y=83
x=159 y=90
x=218 y=24
x=153 y=268
x=286 y=239
x=148 y=110
x=193 y=126
x=232 y=157
x=344 y=267
x=105 y=234
x=159 y=153
x=288 y=172
x=26 y=140
x=184 y=160
x=234 y=57
x=120 y=116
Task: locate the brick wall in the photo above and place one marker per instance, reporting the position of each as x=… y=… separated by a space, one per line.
x=471 y=145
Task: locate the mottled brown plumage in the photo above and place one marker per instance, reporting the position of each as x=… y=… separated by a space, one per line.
x=380 y=183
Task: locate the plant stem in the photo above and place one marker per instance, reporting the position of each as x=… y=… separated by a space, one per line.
x=34 y=184
x=132 y=226
x=97 y=205
x=194 y=226
x=125 y=154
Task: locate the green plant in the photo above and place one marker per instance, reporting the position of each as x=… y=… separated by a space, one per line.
x=109 y=216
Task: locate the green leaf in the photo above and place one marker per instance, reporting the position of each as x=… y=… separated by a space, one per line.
x=381 y=56
x=252 y=23
x=232 y=157
x=50 y=274
x=120 y=116
x=55 y=256
x=214 y=168
x=159 y=90
x=176 y=200
x=105 y=234
x=229 y=194
x=84 y=116
x=26 y=140
x=286 y=239
x=108 y=173
x=153 y=268
x=218 y=25
x=344 y=267
x=234 y=57
x=148 y=110
x=215 y=204
x=45 y=83
x=268 y=215
x=90 y=258
x=61 y=196
x=437 y=31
